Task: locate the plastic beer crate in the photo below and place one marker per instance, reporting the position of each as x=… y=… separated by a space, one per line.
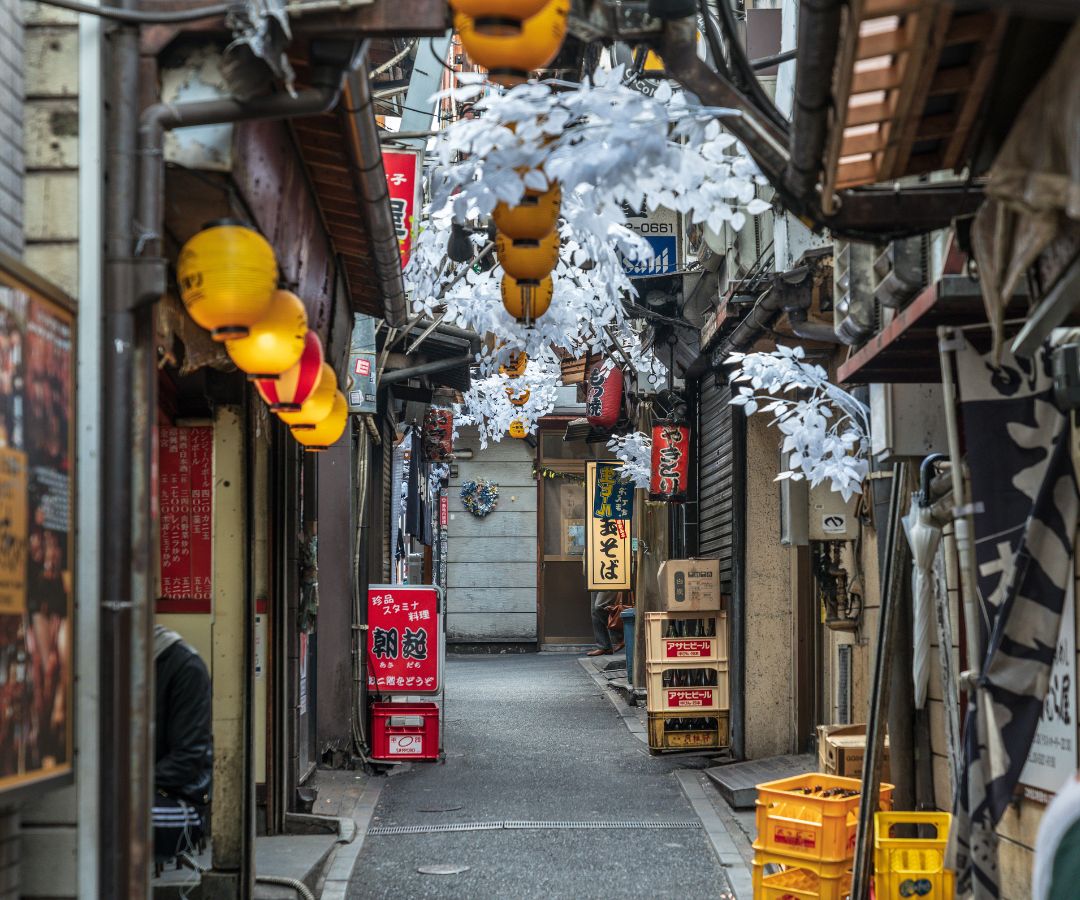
x=404 y=730
x=799 y=879
x=673 y=732
x=670 y=650
x=912 y=867
x=688 y=698
x=795 y=820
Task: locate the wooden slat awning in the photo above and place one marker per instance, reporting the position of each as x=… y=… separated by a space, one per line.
x=909 y=81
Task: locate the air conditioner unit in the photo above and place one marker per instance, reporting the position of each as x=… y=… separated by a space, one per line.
x=906 y=420
x=854 y=313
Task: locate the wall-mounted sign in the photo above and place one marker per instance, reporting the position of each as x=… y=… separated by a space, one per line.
x=613 y=497
x=37 y=552
x=661 y=229
x=403 y=177
x=607 y=544
x=362 y=384
x=185 y=493
x=403 y=639
x=670 y=462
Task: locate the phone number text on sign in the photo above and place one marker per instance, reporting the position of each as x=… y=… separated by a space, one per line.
x=403 y=643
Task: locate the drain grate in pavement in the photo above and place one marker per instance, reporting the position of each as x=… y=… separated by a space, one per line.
x=510 y=825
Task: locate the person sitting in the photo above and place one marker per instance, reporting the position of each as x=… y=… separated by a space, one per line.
x=183 y=746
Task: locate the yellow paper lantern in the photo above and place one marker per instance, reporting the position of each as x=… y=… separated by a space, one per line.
x=317 y=406
x=528 y=259
x=329 y=430
x=527 y=301
x=510 y=57
x=517 y=429
x=227 y=275
x=518 y=399
x=276 y=342
x=519 y=359
x=533 y=219
x=498 y=16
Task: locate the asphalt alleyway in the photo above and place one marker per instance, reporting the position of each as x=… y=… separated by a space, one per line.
x=532 y=738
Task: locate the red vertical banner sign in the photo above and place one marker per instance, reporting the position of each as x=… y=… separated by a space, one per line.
x=670 y=462
x=185 y=485
x=403 y=175
x=404 y=639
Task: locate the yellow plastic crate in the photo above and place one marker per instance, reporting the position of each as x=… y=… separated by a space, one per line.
x=912 y=867
x=799 y=878
x=665 y=732
x=686 y=699
x=811 y=826
x=671 y=650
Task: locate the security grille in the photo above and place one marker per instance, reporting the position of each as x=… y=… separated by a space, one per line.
x=717 y=493
x=843 y=684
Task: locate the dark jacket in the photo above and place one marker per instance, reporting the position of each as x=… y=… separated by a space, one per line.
x=183 y=746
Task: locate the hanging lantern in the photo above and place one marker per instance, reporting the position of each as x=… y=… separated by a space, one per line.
x=510 y=57
x=528 y=259
x=317 y=406
x=518 y=399
x=276 y=342
x=533 y=219
x=498 y=16
x=289 y=390
x=527 y=301
x=326 y=432
x=517 y=429
x=519 y=359
x=604 y=399
x=670 y=462
x=227 y=275
x=439 y=434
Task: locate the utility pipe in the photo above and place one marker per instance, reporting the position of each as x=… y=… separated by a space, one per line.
x=429 y=368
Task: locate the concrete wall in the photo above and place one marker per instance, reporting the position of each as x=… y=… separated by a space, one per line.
x=770 y=653
x=491 y=566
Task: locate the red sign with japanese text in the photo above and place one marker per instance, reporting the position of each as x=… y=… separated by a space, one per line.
x=185 y=492
x=404 y=639
x=701 y=648
x=444 y=511
x=403 y=173
x=670 y=462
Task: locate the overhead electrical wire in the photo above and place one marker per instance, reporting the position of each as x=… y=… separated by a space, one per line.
x=142 y=17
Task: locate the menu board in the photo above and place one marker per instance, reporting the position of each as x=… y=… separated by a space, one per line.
x=185 y=489
x=37 y=395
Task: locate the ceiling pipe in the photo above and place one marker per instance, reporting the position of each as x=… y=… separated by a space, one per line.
x=428 y=368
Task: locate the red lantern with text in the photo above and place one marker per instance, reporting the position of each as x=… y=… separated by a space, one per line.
x=439 y=434
x=670 y=462
x=604 y=400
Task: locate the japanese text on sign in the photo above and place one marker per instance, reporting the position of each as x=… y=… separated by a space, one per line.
x=404 y=630
x=613 y=496
x=607 y=545
x=403 y=182
x=185 y=476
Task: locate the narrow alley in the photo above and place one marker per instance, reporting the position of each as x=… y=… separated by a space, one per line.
x=532 y=738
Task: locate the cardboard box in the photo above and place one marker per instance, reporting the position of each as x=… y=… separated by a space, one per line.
x=690 y=585
x=842 y=749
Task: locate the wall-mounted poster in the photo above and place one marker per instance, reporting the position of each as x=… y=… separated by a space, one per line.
x=607 y=545
x=185 y=494
x=37 y=396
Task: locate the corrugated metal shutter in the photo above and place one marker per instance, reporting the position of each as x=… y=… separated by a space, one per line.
x=716 y=490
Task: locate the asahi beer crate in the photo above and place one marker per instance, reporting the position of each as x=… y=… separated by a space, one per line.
x=703 y=732
x=692 y=636
x=687 y=687
x=799 y=879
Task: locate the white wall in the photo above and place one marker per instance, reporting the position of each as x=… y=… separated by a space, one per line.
x=491 y=566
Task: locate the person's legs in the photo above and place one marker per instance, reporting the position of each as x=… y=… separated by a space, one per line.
x=178 y=827
x=601 y=600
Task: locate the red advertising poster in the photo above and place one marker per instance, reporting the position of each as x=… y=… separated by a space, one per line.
x=403 y=172
x=185 y=483
x=444 y=511
x=404 y=635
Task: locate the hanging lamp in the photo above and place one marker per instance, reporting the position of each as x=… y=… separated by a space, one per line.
x=670 y=462
x=327 y=432
x=276 y=342
x=518 y=399
x=288 y=391
x=534 y=217
x=498 y=17
x=517 y=429
x=227 y=275
x=603 y=402
x=317 y=406
x=515 y=366
x=527 y=300
x=509 y=58
x=529 y=259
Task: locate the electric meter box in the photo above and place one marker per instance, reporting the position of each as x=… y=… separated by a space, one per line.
x=831 y=517
x=906 y=420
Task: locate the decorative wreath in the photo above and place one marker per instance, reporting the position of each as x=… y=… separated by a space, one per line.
x=480 y=496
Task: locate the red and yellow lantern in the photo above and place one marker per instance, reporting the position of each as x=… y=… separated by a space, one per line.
x=289 y=390
x=603 y=401
x=227 y=274
x=317 y=407
x=275 y=343
x=439 y=434
x=670 y=462
x=329 y=430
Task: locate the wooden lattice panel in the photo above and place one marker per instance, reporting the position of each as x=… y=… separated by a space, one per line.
x=908 y=81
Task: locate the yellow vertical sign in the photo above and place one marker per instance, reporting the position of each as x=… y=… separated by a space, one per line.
x=607 y=544
x=13 y=531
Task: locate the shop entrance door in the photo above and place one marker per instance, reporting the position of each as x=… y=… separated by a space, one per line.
x=565 y=609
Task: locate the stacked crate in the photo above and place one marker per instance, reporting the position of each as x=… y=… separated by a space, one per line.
x=687 y=680
x=805 y=845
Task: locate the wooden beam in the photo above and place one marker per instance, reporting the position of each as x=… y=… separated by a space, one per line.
x=856 y=172
x=966 y=29
x=399 y=18
x=875 y=80
x=951 y=81
x=935 y=127
x=981 y=72
x=885 y=43
x=854 y=144
x=868 y=113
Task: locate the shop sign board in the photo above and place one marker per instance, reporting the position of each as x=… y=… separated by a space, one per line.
x=362 y=383
x=404 y=638
x=613 y=496
x=185 y=497
x=1053 y=758
x=607 y=544
x=661 y=229
x=404 y=169
x=37 y=531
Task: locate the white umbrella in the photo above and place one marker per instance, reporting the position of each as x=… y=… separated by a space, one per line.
x=923 y=536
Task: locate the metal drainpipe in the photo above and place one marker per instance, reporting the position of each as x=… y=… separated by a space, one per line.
x=429 y=368
x=365 y=152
